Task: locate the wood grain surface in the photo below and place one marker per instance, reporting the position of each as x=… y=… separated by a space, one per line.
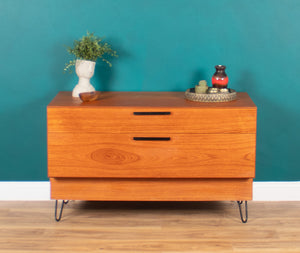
x=151 y=189
x=95 y=151
x=184 y=156
x=122 y=120
x=163 y=227
x=115 y=113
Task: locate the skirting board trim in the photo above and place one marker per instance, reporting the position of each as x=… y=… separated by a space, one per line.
x=25 y=190
x=262 y=191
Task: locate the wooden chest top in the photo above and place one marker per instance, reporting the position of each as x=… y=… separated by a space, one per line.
x=148 y=99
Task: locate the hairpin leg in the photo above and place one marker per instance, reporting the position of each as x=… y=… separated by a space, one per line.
x=64 y=202
x=244 y=219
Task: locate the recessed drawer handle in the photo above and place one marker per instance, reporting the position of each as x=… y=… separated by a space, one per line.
x=151 y=138
x=151 y=113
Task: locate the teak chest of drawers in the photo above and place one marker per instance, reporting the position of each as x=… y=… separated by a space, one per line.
x=151 y=146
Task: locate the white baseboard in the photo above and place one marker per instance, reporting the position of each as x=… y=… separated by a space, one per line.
x=25 y=190
x=262 y=191
x=276 y=191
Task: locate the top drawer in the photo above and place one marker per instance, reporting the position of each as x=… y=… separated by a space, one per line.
x=141 y=120
x=150 y=112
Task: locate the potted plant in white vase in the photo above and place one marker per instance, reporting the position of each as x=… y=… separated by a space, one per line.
x=87 y=50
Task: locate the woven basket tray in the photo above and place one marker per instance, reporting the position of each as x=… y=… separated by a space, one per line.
x=215 y=97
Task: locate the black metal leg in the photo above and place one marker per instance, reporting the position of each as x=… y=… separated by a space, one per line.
x=244 y=219
x=64 y=202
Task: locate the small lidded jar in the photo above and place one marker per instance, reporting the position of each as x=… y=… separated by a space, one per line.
x=220 y=79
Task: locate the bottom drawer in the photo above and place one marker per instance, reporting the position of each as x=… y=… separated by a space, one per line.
x=151 y=189
x=93 y=155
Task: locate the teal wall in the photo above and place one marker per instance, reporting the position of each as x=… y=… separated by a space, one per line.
x=164 y=45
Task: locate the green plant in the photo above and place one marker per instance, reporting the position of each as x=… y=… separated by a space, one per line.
x=90 y=47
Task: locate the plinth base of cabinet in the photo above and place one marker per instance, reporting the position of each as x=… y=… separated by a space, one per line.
x=151 y=189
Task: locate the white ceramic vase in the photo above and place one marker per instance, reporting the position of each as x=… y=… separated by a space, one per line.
x=85 y=71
